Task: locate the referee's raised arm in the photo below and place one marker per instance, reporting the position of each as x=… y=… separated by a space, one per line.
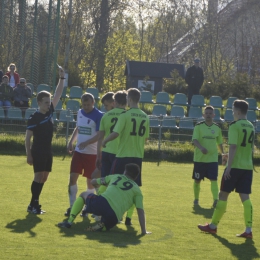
x=59 y=89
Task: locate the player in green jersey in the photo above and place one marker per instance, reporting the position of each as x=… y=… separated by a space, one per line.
x=207 y=137
x=132 y=128
x=120 y=194
x=238 y=174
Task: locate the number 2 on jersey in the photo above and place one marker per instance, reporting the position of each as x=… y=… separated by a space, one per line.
x=113 y=121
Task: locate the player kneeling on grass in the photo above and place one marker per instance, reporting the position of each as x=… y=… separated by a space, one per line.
x=121 y=193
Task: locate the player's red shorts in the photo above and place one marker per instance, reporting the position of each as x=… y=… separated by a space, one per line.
x=84 y=164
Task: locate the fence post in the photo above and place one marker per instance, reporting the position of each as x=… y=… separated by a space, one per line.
x=68 y=115
x=160 y=118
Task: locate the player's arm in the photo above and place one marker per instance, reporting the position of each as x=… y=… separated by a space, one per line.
x=141 y=217
x=72 y=140
x=100 y=181
x=28 y=137
x=197 y=144
x=99 y=148
x=92 y=140
x=59 y=89
x=231 y=154
x=111 y=137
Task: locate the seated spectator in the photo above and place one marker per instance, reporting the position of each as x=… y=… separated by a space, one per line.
x=6 y=93
x=22 y=94
x=13 y=76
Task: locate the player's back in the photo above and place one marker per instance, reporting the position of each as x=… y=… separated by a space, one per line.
x=241 y=133
x=133 y=129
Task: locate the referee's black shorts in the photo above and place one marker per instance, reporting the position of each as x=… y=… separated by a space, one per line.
x=42 y=162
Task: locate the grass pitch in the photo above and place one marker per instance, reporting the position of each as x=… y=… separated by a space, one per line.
x=168 y=198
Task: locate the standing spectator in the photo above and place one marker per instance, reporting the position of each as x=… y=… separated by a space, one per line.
x=13 y=76
x=6 y=93
x=1 y=75
x=22 y=94
x=194 y=78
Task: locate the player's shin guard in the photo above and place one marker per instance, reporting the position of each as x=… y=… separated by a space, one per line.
x=72 y=193
x=196 y=189
x=214 y=189
x=248 y=212
x=130 y=212
x=101 y=189
x=219 y=212
x=76 y=209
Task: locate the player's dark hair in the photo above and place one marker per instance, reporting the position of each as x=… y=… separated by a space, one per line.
x=132 y=170
x=120 y=97
x=134 y=94
x=109 y=96
x=43 y=94
x=242 y=105
x=209 y=107
x=87 y=96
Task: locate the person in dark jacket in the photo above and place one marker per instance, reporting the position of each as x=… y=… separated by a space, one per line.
x=6 y=93
x=22 y=94
x=194 y=78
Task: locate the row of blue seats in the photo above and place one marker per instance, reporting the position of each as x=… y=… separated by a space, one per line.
x=196 y=112
x=180 y=99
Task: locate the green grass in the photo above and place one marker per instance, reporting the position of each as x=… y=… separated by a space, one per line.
x=168 y=198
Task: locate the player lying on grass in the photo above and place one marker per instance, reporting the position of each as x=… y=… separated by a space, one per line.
x=121 y=193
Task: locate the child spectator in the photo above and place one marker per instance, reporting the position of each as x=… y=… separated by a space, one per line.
x=6 y=93
x=13 y=76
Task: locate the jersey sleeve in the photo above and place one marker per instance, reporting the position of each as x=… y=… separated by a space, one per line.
x=219 y=138
x=232 y=134
x=32 y=123
x=138 y=201
x=195 y=134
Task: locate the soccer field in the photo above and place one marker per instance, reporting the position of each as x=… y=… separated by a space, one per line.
x=168 y=202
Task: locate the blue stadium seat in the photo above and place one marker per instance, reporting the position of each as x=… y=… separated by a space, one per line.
x=75 y=92
x=28 y=112
x=230 y=102
x=216 y=102
x=186 y=123
x=197 y=101
x=195 y=112
x=94 y=92
x=228 y=117
x=34 y=103
x=252 y=104
x=66 y=116
x=180 y=99
x=217 y=118
x=163 y=98
x=73 y=105
x=146 y=97
x=257 y=127
x=14 y=113
x=251 y=116
x=154 y=122
x=169 y=122
x=159 y=110
x=177 y=111
x=42 y=87
x=2 y=113
x=59 y=106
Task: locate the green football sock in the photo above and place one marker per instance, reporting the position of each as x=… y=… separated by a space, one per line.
x=196 y=189
x=214 y=189
x=219 y=212
x=76 y=208
x=130 y=212
x=248 y=212
x=101 y=189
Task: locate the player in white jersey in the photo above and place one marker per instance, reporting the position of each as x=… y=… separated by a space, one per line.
x=86 y=133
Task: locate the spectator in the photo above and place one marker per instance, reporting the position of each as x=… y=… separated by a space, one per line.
x=22 y=94
x=14 y=77
x=1 y=76
x=194 y=78
x=6 y=93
